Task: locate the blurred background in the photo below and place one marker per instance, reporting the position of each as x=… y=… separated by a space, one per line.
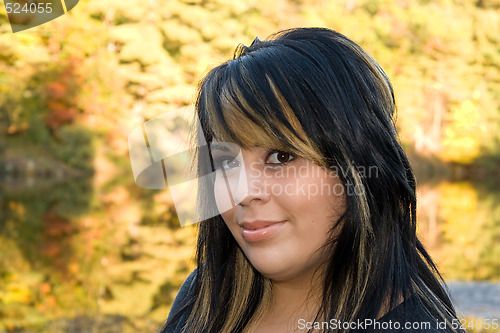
x=84 y=249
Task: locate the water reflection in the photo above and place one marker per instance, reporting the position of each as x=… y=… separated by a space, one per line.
x=38 y=257
x=111 y=256
x=38 y=219
x=460 y=224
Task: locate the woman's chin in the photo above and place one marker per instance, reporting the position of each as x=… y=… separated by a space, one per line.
x=269 y=270
x=275 y=272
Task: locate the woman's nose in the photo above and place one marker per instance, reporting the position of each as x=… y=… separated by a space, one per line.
x=251 y=184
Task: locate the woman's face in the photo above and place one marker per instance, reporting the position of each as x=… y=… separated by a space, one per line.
x=279 y=208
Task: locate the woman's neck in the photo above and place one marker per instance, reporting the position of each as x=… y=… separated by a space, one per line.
x=292 y=300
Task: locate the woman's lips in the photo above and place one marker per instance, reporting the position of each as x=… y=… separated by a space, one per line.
x=260 y=230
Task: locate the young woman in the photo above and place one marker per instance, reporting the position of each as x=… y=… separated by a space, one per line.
x=317 y=229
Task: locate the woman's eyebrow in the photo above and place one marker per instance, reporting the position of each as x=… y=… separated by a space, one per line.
x=219 y=147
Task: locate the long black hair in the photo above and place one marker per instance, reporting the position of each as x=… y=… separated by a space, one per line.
x=315 y=93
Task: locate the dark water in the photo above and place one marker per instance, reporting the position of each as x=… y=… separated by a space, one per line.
x=477 y=299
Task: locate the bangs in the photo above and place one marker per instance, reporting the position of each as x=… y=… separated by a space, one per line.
x=249 y=110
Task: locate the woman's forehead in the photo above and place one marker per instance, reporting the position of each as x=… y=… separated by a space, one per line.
x=231 y=145
x=261 y=117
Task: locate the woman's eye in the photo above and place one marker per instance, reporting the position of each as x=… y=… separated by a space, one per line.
x=227 y=163
x=279 y=157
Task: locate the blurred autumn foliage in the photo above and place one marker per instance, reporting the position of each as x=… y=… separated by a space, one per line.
x=61 y=95
x=112 y=64
x=81 y=246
